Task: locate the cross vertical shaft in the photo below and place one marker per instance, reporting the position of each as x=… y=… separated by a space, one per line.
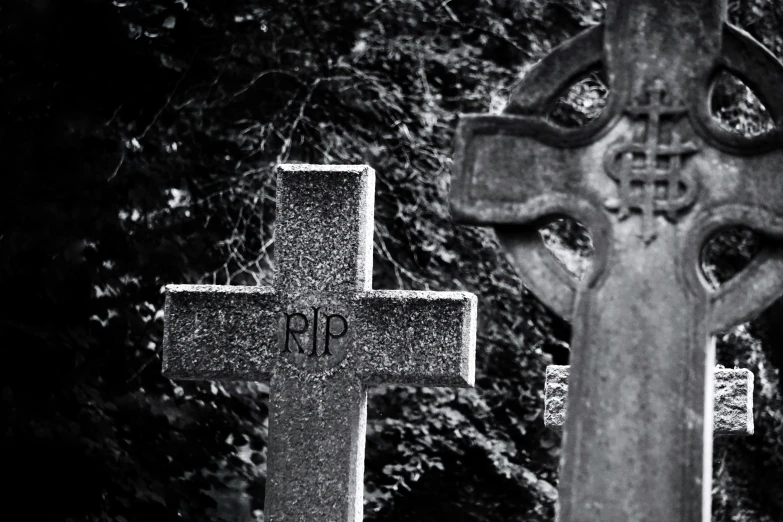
x=314 y=432
x=635 y=403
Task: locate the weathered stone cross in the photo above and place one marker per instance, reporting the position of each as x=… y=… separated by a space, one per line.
x=321 y=335
x=652 y=179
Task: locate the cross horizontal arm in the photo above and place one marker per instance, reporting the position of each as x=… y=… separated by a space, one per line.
x=220 y=332
x=507 y=172
x=733 y=400
x=416 y=338
x=751 y=181
x=503 y=174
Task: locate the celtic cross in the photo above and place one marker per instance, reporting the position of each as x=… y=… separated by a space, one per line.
x=652 y=178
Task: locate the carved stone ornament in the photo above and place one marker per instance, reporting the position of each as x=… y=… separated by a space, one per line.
x=648 y=171
x=652 y=178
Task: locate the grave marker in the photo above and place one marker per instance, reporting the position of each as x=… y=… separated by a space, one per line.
x=733 y=400
x=652 y=178
x=321 y=335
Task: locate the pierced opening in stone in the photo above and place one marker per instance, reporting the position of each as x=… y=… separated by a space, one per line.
x=582 y=102
x=570 y=243
x=727 y=253
x=737 y=108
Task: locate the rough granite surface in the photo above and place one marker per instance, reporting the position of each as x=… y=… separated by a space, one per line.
x=324 y=227
x=321 y=336
x=733 y=400
x=555 y=394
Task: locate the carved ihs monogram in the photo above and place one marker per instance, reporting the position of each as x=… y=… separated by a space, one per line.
x=648 y=168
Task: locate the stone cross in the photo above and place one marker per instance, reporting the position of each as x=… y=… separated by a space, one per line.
x=733 y=399
x=321 y=335
x=652 y=178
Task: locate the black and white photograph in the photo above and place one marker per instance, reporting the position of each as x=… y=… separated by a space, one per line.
x=391 y=260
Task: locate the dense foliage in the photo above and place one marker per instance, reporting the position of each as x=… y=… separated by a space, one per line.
x=138 y=145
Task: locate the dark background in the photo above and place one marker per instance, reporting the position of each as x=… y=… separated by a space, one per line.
x=137 y=147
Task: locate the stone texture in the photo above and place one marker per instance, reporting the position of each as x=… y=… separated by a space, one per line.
x=321 y=335
x=555 y=395
x=334 y=205
x=211 y=332
x=733 y=400
x=652 y=178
